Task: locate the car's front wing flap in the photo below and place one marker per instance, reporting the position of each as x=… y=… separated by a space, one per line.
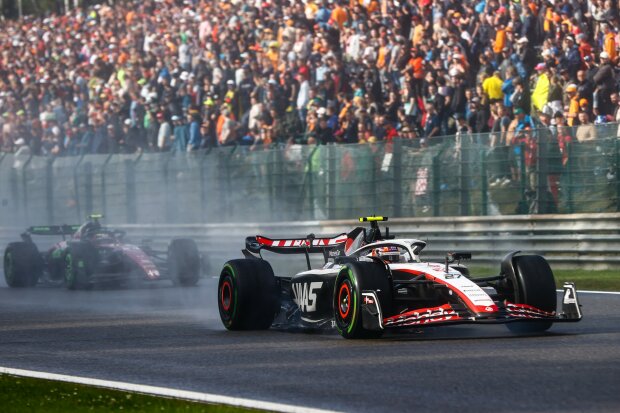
x=447 y=314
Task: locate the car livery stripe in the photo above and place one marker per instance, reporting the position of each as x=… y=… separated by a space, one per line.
x=489 y=307
x=423 y=316
x=524 y=310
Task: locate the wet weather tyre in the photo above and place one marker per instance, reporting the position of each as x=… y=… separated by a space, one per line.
x=534 y=286
x=352 y=279
x=23 y=265
x=80 y=261
x=184 y=262
x=248 y=295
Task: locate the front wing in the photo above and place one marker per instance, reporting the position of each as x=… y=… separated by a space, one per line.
x=373 y=319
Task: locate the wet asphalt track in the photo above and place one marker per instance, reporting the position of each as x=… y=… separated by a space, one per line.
x=172 y=337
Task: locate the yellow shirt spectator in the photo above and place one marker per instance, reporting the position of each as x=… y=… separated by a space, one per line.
x=492 y=86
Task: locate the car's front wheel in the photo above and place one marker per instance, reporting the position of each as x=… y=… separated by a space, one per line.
x=351 y=281
x=534 y=285
x=184 y=262
x=23 y=265
x=79 y=261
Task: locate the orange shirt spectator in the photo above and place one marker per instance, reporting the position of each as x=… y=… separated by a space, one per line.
x=500 y=40
x=610 y=46
x=340 y=16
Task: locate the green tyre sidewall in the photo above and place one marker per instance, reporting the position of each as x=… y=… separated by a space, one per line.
x=349 y=330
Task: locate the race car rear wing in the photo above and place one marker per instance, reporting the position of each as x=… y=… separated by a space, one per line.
x=310 y=244
x=53 y=230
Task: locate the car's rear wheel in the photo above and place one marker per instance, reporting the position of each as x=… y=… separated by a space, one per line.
x=80 y=260
x=184 y=262
x=533 y=285
x=351 y=281
x=23 y=265
x=247 y=295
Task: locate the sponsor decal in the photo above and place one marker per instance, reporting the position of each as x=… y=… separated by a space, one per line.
x=569 y=296
x=305 y=295
x=368 y=300
x=295 y=243
x=423 y=316
x=334 y=253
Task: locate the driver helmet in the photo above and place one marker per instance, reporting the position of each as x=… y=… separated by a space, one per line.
x=388 y=254
x=91 y=228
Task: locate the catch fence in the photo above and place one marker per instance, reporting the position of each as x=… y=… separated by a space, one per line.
x=472 y=174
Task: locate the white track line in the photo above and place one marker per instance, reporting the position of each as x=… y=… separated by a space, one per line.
x=165 y=392
x=594 y=292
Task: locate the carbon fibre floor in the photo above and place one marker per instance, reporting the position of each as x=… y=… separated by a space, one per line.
x=172 y=337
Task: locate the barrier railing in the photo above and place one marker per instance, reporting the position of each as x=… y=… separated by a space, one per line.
x=572 y=241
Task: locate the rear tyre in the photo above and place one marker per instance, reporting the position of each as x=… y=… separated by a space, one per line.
x=248 y=295
x=184 y=262
x=533 y=285
x=80 y=262
x=352 y=279
x=23 y=265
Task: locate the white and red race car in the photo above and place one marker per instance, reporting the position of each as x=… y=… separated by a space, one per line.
x=371 y=283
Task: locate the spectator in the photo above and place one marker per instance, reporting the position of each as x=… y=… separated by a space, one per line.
x=586 y=131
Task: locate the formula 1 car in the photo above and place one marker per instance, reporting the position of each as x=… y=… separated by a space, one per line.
x=96 y=254
x=371 y=283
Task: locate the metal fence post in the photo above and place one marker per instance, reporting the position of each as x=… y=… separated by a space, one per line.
x=617 y=172
x=310 y=175
x=331 y=182
x=484 y=183
x=436 y=186
x=76 y=189
x=569 y=178
x=49 y=189
x=88 y=187
x=25 y=186
x=130 y=188
x=104 y=202
x=464 y=175
x=203 y=185
x=397 y=158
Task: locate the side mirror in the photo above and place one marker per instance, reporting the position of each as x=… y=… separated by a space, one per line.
x=456 y=256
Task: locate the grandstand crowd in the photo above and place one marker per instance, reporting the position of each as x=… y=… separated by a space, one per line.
x=161 y=75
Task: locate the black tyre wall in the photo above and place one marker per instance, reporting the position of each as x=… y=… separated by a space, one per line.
x=361 y=276
x=184 y=262
x=534 y=285
x=23 y=265
x=248 y=295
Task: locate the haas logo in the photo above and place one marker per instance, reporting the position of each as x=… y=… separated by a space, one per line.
x=305 y=295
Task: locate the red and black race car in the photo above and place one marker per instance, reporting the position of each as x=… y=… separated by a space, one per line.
x=371 y=283
x=96 y=254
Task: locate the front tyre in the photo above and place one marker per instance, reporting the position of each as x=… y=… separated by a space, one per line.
x=247 y=295
x=23 y=265
x=352 y=279
x=80 y=260
x=533 y=285
x=184 y=262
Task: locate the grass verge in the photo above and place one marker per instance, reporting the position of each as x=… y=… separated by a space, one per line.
x=601 y=280
x=22 y=394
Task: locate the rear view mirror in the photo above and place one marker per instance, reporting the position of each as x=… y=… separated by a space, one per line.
x=456 y=256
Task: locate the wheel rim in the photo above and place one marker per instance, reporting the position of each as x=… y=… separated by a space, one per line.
x=9 y=267
x=344 y=300
x=226 y=295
